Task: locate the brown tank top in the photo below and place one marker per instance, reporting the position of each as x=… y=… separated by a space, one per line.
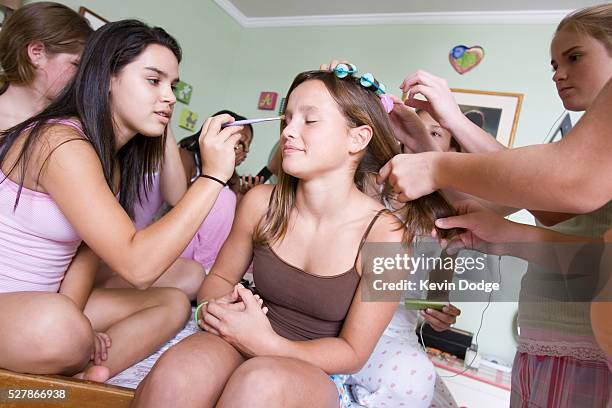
x=303 y=306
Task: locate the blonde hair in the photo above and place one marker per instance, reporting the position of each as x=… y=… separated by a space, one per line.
x=360 y=106
x=595 y=21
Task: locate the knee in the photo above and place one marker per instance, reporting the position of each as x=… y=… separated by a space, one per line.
x=169 y=372
x=259 y=379
x=192 y=279
x=175 y=304
x=62 y=334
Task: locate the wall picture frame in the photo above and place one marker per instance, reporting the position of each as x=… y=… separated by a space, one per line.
x=183 y=91
x=267 y=100
x=95 y=21
x=495 y=112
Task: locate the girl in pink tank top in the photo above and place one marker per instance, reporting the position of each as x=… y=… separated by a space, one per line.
x=62 y=170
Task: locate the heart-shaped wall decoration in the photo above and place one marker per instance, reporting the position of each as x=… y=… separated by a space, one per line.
x=464 y=59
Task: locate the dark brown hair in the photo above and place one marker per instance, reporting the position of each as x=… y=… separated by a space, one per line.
x=360 y=106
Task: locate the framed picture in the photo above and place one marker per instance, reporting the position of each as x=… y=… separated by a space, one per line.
x=94 y=20
x=6 y=9
x=182 y=91
x=267 y=100
x=188 y=119
x=495 y=112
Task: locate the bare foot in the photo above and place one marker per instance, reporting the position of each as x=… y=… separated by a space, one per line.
x=95 y=373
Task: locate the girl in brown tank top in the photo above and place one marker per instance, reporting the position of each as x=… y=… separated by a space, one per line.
x=304 y=237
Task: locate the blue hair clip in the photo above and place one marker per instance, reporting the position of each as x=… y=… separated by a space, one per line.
x=343 y=70
x=368 y=80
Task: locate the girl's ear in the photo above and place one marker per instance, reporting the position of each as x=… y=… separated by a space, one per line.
x=37 y=53
x=359 y=137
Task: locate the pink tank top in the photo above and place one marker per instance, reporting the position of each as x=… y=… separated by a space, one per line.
x=37 y=243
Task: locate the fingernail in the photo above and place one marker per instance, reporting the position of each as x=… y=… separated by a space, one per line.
x=428 y=310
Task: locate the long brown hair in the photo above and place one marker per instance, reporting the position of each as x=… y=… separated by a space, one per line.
x=595 y=21
x=360 y=106
x=59 y=28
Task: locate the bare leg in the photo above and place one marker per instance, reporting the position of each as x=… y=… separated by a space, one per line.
x=269 y=382
x=184 y=274
x=43 y=333
x=138 y=322
x=190 y=374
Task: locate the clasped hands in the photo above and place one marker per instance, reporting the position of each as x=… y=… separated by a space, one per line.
x=239 y=317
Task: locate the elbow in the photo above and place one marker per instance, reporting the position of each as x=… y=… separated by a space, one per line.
x=356 y=367
x=587 y=200
x=356 y=363
x=137 y=277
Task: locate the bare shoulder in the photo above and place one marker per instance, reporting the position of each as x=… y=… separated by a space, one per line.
x=255 y=202
x=387 y=228
x=62 y=150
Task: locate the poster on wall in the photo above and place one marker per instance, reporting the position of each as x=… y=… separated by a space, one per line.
x=267 y=100
x=95 y=21
x=188 y=119
x=183 y=91
x=495 y=112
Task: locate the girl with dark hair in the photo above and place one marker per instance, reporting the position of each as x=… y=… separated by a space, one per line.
x=69 y=181
x=164 y=192
x=190 y=156
x=301 y=235
x=40 y=49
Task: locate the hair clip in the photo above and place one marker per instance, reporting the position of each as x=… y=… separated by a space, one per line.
x=343 y=70
x=366 y=80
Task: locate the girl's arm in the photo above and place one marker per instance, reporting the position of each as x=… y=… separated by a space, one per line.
x=73 y=177
x=79 y=278
x=237 y=251
x=572 y=175
x=173 y=181
x=442 y=106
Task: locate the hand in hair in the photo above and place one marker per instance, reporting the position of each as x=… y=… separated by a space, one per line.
x=410 y=175
x=485 y=231
x=409 y=129
x=217 y=147
x=440 y=103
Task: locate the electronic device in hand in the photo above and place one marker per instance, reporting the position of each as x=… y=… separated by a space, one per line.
x=421 y=304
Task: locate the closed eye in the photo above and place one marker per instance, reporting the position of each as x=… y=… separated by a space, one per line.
x=574 y=57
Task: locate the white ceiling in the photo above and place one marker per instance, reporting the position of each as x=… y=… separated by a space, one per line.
x=262 y=13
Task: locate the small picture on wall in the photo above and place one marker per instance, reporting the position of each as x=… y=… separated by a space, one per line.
x=182 y=91
x=267 y=100
x=495 y=112
x=188 y=119
x=95 y=21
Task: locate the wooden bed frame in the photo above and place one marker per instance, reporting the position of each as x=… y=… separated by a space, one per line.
x=79 y=393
